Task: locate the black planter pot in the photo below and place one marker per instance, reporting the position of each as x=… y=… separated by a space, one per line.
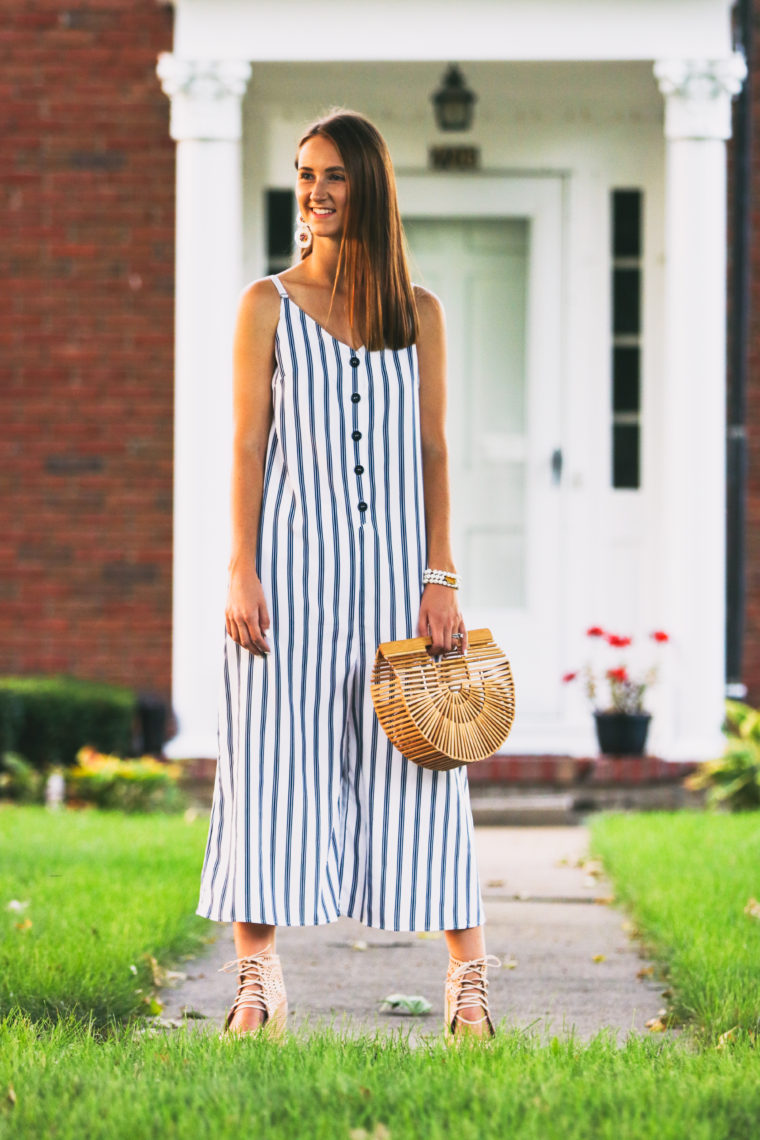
x=151 y=711
x=622 y=734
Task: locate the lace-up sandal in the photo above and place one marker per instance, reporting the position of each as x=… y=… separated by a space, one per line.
x=260 y=986
x=467 y=988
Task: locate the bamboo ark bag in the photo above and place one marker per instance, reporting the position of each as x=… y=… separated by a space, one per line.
x=447 y=711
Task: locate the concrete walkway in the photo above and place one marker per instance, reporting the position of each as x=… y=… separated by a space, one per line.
x=568 y=961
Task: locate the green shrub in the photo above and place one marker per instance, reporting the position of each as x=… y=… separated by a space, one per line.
x=11 y=716
x=48 y=719
x=733 y=779
x=146 y=784
x=19 y=780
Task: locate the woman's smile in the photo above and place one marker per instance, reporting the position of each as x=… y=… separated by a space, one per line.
x=321 y=187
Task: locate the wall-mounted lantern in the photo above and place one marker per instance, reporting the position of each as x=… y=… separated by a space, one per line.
x=453 y=102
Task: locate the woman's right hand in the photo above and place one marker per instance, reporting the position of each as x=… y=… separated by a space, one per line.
x=246 y=614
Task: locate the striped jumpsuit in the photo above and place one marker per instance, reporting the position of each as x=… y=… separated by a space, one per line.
x=315 y=814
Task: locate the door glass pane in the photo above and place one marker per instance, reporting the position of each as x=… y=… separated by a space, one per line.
x=496 y=308
x=479 y=270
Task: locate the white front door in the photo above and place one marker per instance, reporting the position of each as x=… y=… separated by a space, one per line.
x=494 y=258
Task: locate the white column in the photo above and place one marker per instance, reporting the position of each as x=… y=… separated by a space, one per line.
x=697 y=123
x=206 y=100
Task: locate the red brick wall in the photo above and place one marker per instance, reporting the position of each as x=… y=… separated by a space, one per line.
x=86 y=341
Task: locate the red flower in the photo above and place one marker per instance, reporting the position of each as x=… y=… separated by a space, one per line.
x=618 y=642
x=569 y=676
x=660 y=635
x=620 y=674
x=595 y=631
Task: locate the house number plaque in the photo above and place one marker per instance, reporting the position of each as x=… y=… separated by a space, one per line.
x=454 y=157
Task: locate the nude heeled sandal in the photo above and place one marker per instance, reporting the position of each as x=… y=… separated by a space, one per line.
x=467 y=988
x=260 y=986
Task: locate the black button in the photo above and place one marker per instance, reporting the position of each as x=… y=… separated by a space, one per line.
x=359 y=470
x=356 y=435
x=362 y=505
x=355 y=398
x=355 y=362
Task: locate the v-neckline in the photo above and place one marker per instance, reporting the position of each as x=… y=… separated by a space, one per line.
x=317 y=323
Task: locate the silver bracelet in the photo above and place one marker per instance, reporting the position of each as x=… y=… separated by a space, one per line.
x=442 y=578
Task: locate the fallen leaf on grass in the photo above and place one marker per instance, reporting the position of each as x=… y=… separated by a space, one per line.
x=752 y=908
x=158 y=974
x=172 y=977
x=379 y=1132
x=155 y=1025
x=659 y=1023
x=727 y=1037
x=598 y=957
x=11 y=1094
x=413 y=1004
x=23 y=925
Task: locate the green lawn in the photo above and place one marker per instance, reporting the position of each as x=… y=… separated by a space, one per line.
x=687 y=878
x=94 y=1068
x=69 y=1085
x=103 y=892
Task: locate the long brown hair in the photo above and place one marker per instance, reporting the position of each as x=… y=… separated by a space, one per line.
x=372 y=255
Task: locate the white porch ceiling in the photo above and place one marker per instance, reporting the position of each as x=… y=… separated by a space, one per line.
x=624 y=91
x=305 y=30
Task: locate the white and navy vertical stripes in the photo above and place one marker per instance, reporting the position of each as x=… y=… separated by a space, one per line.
x=315 y=814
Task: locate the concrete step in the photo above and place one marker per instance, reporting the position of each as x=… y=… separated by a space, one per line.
x=544 y=809
x=521 y=791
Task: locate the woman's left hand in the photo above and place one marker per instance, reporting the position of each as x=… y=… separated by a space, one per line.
x=440 y=617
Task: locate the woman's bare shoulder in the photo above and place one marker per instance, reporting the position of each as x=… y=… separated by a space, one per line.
x=259 y=308
x=258 y=315
x=430 y=314
x=260 y=301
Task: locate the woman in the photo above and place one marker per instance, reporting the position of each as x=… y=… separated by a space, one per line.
x=340 y=503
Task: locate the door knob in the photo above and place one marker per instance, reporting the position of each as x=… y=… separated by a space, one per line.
x=556 y=463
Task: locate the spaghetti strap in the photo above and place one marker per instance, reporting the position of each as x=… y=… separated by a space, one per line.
x=278 y=285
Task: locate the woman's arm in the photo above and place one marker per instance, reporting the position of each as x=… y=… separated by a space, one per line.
x=246 y=613
x=440 y=616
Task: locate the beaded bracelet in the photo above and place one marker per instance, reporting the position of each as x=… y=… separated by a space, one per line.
x=442 y=578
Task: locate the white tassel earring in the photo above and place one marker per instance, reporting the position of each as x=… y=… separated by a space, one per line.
x=303 y=234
